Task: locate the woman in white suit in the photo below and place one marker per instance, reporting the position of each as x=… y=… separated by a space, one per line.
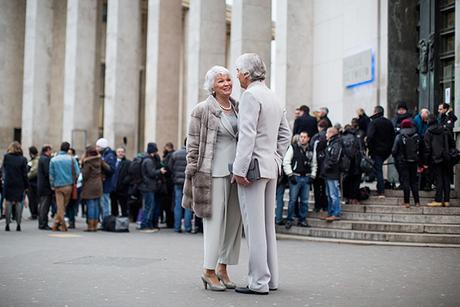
x=211 y=148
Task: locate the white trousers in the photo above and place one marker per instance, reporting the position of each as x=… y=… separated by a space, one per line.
x=257 y=202
x=222 y=231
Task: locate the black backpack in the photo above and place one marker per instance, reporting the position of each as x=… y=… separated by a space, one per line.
x=350 y=151
x=350 y=145
x=410 y=147
x=135 y=170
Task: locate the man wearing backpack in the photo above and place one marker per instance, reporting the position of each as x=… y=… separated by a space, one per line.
x=300 y=166
x=352 y=179
x=437 y=142
x=331 y=173
x=151 y=170
x=406 y=151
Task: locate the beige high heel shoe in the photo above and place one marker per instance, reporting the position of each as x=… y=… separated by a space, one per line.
x=207 y=282
x=229 y=285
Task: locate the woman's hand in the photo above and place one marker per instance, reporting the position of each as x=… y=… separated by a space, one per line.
x=241 y=180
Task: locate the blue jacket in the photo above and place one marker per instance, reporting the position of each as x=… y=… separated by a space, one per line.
x=61 y=170
x=108 y=155
x=420 y=125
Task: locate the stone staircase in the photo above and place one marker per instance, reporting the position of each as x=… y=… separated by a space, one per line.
x=384 y=221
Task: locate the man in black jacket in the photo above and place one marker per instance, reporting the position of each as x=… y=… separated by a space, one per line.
x=380 y=138
x=151 y=170
x=305 y=122
x=331 y=173
x=323 y=115
x=44 y=188
x=447 y=118
x=300 y=166
x=177 y=164
x=120 y=182
x=402 y=113
x=319 y=144
x=438 y=141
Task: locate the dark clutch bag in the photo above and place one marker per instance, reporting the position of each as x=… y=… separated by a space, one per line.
x=253 y=173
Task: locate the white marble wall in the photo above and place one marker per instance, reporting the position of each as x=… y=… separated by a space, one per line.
x=122 y=74
x=12 y=28
x=342 y=28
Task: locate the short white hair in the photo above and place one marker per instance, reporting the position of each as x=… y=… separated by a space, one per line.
x=251 y=64
x=424 y=111
x=211 y=77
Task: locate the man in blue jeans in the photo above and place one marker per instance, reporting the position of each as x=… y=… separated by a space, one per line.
x=331 y=173
x=177 y=165
x=300 y=166
x=150 y=170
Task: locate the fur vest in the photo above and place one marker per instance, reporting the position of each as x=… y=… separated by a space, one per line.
x=201 y=140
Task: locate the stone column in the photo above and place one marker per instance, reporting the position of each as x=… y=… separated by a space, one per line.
x=206 y=45
x=122 y=74
x=80 y=101
x=12 y=28
x=164 y=42
x=251 y=32
x=294 y=53
x=37 y=72
x=457 y=89
x=457 y=62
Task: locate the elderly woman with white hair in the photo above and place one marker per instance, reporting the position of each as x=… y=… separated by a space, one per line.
x=208 y=190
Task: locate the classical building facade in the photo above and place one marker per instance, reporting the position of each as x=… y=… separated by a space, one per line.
x=132 y=70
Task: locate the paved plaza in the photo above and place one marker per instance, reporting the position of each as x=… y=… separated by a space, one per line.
x=40 y=268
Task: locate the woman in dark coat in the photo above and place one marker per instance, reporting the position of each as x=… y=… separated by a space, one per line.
x=92 y=167
x=15 y=182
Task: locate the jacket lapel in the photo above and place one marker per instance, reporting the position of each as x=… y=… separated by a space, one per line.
x=227 y=125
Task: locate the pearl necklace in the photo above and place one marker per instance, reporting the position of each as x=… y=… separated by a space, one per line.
x=226 y=109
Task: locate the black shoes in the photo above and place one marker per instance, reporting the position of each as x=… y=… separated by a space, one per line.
x=288 y=225
x=281 y=223
x=45 y=228
x=71 y=225
x=7 y=228
x=246 y=290
x=304 y=224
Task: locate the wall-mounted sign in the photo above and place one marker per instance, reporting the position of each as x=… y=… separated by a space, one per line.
x=447 y=95
x=358 y=69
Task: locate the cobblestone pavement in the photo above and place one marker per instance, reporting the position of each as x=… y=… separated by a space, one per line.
x=41 y=268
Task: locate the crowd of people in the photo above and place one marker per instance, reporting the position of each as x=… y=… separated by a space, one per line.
x=335 y=159
x=101 y=183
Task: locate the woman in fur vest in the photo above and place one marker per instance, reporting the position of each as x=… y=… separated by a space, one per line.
x=208 y=190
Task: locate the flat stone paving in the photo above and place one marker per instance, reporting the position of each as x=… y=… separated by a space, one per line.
x=41 y=268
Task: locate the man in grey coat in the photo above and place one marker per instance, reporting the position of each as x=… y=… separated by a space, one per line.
x=264 y=137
